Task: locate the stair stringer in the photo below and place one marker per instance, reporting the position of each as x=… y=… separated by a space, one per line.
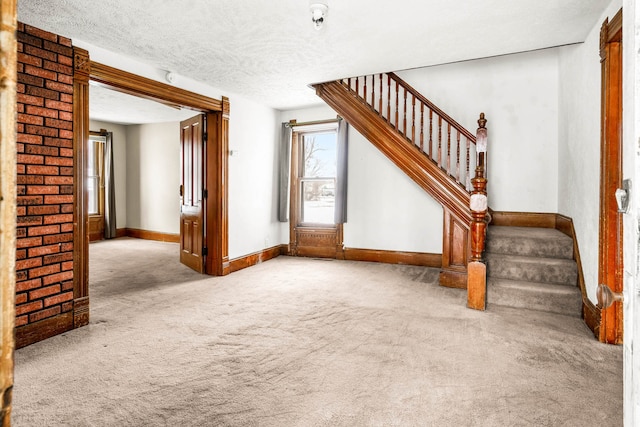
x=417 y=166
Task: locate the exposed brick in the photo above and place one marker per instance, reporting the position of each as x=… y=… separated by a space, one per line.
x=26 y=285
x=21 y=298
x=43 y=229
x=30 y=99
x=52 y=259
x=67 y=306
x=40 y=53
x=29 y=200
x=57 y=219
x=28 y=308
x=22 y=320
x=57 y=299
x=29 y=39
x=28 y=242
x=58 y=68
x=30 y=60
x=21 y=232
x=65 y=60
x=41 y=130
x=67 y=266
x=32 y=83
x=67 y=227
x=58 y=180
x=41 y=111
x=47 y=270
x=21 y=254
x=42 y=149
x=66 y=247
x=20 y=127
x=66 y=152
x=58 y=86
x=20 y=148
x=28 y=263
x=63 y=115
x=66 y=189
x=58 y=161
x=21 y=276
x=30 y=179
x=45 y=93
x=67 y=208
x=67 y=285
x=59 y=142
x=40 y=72
x=44 y=292
x=21 y=210
x=25 y=221
x=37 y=32
x=59 y=124
x=67 y=79
x=31 y=120
x=57 y=278
x=42 y=170
x=29 y=139
x=20 y=67
x=43 y=314
x=44 y=210
x=44 y=250
x=20 y=108
x=30 y=159
x=55 y=47
x=21 y=88
x=65 y=133
x=21 y=190
x=64 y=41
x=59 y=105
x=55 y=200
x=66 y=171
x=42 y=189
x=57 y=238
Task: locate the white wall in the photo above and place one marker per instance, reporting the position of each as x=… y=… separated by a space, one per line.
x=579 y=144
x=153 y=177
x=519 y=95
x=385 y=209
x=119 y=166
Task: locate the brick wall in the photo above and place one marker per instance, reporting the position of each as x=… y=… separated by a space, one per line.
x=44 y=268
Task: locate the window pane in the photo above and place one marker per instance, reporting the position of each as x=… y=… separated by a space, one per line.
x=91 y=157
x=92 y=187
x=319 y=154
x=318 y=201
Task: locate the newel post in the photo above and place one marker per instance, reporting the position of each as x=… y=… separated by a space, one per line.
x=477 y=270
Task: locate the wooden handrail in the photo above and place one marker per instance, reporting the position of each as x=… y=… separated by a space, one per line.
x=433 y=107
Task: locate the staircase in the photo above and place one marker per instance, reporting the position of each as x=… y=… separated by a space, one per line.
x=532 y=268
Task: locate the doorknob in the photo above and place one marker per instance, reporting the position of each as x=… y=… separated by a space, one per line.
x=606 y=297
x=622 y=196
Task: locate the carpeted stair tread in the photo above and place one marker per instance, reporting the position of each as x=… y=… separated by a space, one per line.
x=534 y=269
x=529 y=241
x=538 y=296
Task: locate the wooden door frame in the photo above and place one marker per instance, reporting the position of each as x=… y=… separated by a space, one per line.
x=216 y=175
x=610 y=254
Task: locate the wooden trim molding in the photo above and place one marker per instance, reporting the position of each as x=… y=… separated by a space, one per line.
x=393 y=257
x=256 y=258
x=143 y=87
x=524 y=219
x=81 y=70
x=152 y=235
x=121 y=232
x=47 y=328
x=8 y=190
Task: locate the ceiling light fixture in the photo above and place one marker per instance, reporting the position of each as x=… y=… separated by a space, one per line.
x=318 y=14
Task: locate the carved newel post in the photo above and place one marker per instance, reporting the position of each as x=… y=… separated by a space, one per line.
x=477 y=270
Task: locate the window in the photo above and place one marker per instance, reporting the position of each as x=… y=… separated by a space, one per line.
x=95 y=174
x=317 y=179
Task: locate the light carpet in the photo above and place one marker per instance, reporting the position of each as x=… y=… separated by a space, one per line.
x=304 y=342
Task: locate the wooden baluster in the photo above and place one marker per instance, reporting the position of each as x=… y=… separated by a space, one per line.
x=430 y=133
x=389 y=98
x=476 y=269
x=364 y=93
x=448 y=160
x=413 y=119
x=380 y=107
x=373 y=91
x=421 y=127
x=404 y=114
x=439 y=141
x=396 y=122
x=467 y=177
x=349 y=83
x=458 y=156
x=358 y=86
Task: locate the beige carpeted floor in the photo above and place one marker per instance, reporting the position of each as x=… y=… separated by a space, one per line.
x=303 y=342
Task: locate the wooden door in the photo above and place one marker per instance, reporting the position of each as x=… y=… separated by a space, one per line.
x=192 y=193
x=610 y=269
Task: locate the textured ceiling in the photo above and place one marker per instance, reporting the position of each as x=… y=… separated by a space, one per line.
x=269 y=51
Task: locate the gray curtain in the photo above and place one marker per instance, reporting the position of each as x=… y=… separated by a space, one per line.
x=285 y=168
x=342 y=172
x=109 y=190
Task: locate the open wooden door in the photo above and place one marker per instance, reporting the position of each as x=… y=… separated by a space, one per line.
x=192 y=193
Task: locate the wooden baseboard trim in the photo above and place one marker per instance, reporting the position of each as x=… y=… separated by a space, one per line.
x=590 y=313
x=393 y=257
x=152 y=235
x=121 y=232
x=47 y=328
x=256 y=258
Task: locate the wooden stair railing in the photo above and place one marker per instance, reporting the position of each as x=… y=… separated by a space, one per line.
x=423 y=141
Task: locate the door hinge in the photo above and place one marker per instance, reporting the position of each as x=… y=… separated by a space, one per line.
x=205 y=193
x=205 y=251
